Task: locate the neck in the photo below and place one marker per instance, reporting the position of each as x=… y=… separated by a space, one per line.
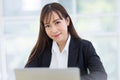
x=62 y=44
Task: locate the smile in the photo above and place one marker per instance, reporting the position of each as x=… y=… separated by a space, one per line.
x=57 y=35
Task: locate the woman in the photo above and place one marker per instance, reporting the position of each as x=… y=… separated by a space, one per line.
x=59 y=46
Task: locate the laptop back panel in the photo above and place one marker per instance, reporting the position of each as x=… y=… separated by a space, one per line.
x=47 y=74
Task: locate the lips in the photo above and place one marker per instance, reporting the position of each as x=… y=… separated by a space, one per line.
x=57 y=35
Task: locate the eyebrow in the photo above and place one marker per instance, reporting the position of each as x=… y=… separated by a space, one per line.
x=56 y=20
x=53 y=21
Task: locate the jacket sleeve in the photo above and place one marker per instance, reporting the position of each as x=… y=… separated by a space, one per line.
x=93 y=64
x=33 y=63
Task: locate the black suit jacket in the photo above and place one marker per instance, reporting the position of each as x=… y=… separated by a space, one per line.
x=81 y=54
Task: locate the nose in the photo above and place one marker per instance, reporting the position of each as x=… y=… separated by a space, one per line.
x=54 y=29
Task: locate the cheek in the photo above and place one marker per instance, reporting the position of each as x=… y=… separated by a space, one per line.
x=65 y=27
x=47 y=32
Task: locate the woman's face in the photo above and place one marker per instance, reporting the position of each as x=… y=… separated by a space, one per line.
x=57 y=28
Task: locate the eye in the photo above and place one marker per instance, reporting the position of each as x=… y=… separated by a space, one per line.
x=47 y=26
x=57 y=22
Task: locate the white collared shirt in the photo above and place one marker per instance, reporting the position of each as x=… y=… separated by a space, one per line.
x=60 y=59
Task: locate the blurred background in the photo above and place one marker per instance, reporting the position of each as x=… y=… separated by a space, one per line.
x=95 y=20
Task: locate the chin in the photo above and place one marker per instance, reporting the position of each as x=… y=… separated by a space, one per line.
x=59 y=40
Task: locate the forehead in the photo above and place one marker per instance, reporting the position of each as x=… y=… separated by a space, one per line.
x=52 y=16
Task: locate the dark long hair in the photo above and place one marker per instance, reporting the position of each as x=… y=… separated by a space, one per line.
x=43 y=39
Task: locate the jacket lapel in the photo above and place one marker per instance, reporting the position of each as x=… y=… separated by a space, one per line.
x=46 y=59
x=73 y=53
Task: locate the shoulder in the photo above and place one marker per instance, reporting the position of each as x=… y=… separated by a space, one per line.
x=81 y=42
x=85 y=42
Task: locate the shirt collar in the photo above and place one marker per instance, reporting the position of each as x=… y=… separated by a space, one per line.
x=55 y=48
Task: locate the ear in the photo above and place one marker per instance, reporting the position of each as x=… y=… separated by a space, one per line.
x=67 y=21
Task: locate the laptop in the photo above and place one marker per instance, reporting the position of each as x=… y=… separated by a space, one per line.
x=47 y=74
